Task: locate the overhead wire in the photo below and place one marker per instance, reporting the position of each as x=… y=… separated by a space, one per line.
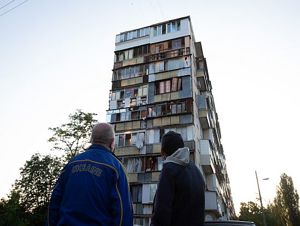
x=11 y=9
x=7 y=4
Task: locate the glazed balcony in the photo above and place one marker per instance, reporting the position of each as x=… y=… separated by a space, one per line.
x=212 y=203
x=206 y=157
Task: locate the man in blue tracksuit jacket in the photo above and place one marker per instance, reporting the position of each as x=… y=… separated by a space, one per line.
x=92 y=189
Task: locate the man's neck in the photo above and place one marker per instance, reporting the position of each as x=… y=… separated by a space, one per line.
x=104 y=145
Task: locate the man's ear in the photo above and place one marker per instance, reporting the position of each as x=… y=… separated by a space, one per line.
x=112 y=144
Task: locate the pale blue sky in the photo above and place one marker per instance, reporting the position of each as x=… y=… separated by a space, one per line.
x=56 y=56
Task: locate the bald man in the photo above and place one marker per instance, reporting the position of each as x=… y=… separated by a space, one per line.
x=92 y=189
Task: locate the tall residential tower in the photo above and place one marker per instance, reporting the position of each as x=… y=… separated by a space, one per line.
x=160 y=82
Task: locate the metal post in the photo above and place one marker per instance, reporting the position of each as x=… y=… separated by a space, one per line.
x=261 y=204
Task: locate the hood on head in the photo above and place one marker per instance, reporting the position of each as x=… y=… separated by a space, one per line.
x=180 y=157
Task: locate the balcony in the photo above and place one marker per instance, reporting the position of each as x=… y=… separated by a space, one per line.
x=131 y=81
x=126 y=126
x=206 y=157
x=203 y=83
x=204 y=111
x=169 y=74
x=166 y=97
x=205 y=118
x=128 y=150
x=212 y=203
x=167 y=54
x=124 y=63
x=143 y=177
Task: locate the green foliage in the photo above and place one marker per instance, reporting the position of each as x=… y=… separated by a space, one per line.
x=284 y=211
x=11 y=212
x=273 y=214
x=27 y=204
x=74 y=135
x=38 y=177
x=251 y=211
x=286 y=202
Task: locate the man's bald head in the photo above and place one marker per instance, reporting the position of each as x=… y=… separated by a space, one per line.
x=103 y=133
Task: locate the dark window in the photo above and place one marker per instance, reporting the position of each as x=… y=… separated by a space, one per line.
x=164 y=29
x=127 y=139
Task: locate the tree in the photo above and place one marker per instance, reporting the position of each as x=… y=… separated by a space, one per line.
x=251 y=211
x=274 y=215
x=287 y=202
x=11 y=212
x=38 y=177
x=74 y=135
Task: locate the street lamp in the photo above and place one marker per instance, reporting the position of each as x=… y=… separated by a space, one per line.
x=260 y=199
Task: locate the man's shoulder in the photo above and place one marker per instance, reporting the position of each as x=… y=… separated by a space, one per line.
x=98 y=155
x=171 y=168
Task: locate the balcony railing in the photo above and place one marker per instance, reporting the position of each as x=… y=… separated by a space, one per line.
x=153 y=57
x=167 y=54
x=143 y=177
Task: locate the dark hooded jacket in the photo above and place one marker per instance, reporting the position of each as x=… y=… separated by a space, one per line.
x=180 y=196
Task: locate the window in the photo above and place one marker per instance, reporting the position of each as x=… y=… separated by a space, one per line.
x=163 y=29
x=161 y=87
x=174 y=84
x=132 y=53
x=177 y=43
x=175 y=26
x=121 y=94
x=146 y=30
x=113 y=96
x=130 y=72
x=159 y=29
x=173 y=109
x=175 y=64
x=136 y=193
x=155 y=31
x=148 y=192
x=134 y=34
x=169 y=27
x=167 y=86
x=122 y=38
x=166 y=28
x=127 y=139
x=158 y=110
x=135 y=115
x=121 y=140
x=159 y=66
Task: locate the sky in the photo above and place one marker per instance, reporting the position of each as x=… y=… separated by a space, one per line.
x=57 y=56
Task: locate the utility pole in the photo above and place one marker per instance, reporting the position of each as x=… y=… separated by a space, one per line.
x=260 y=199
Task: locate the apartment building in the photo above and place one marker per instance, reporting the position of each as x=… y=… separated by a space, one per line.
x=160 y=82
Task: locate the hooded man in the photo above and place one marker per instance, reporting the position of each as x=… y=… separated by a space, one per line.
x=179 y=198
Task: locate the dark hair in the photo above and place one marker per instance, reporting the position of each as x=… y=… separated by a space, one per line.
x=170 y=142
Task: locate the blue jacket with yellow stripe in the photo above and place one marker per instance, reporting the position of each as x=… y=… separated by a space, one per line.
x=91 y=190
